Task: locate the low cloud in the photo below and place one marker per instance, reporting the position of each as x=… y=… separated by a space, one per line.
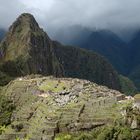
x=54 y=14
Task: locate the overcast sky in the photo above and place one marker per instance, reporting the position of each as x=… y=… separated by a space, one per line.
x=54 y=14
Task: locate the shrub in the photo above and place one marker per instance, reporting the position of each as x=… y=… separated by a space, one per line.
x=6 y=109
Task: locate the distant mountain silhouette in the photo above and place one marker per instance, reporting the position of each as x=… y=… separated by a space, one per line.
x=111 y=46
x=125 y=57
x=135 y=59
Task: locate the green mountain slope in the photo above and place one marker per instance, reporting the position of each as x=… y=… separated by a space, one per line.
x=123 y=56
x=27 y=49
x=127 y=86
x=103 y=42
x=135 y=59
x=86 y=65
x=111 y=46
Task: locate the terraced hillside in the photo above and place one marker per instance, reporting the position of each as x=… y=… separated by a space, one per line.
x=46 y=106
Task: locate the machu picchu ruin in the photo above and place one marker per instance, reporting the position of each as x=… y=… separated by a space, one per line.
x=48 y=106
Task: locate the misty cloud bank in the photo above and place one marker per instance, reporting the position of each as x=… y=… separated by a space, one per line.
x=117 y=15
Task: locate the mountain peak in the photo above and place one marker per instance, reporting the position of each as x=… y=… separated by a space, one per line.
x=21 y=37
x=24 y=21
x=26 y=15
x=29 y=48
x=27 y=18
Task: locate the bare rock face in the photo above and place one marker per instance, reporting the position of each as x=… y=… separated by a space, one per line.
x=134 y=124
x=27 y=49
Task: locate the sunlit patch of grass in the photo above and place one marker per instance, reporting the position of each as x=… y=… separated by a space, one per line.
x=64 y=137
x=54 y=86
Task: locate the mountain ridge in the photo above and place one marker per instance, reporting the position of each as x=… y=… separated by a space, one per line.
x=124 y=56
x=27 y=49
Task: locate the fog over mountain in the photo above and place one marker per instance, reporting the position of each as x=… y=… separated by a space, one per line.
x=119 y=16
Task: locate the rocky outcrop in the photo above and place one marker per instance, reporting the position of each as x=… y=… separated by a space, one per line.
x=28 y=48
x=132 y=118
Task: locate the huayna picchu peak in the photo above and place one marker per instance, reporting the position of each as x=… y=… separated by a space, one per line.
x=25 y=21
x=27 y=49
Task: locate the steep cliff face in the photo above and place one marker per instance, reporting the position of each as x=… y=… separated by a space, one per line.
x=135 y=60
x=27 y=45
x=27 y=49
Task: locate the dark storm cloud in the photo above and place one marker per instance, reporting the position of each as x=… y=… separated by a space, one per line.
x=53 y=14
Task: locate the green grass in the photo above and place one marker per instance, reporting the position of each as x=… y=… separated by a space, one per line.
x=109 y=132
x=54 y=86
x=2 y=129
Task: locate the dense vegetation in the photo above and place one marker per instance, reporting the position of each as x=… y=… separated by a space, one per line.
x=125 y=57
x=111 y=46
x=127 y=86
x=110 y=132
x=119 y=130
x=6 y=110
x=86 y=65
x=4 y=79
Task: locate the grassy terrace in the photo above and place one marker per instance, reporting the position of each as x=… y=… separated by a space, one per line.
x=54 y=86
